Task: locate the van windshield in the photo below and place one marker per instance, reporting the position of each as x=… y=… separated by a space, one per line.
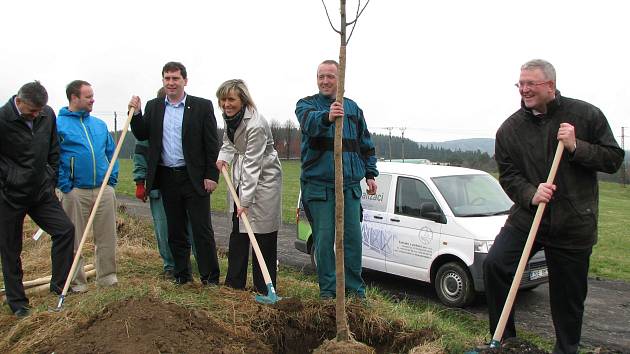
x=473 y=195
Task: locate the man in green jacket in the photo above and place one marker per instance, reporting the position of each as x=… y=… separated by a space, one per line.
x=317 y=115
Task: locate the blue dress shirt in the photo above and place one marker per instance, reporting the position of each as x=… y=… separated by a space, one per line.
x=172 y=151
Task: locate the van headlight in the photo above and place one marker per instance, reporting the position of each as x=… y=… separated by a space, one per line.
x=483 y=246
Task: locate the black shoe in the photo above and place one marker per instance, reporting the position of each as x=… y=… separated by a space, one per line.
x=181 y=280
x=209 y=284
x=55 y=289
x=22 y=312
x=168 y=274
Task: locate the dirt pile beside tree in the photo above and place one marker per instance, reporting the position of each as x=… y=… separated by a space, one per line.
x=150 y=326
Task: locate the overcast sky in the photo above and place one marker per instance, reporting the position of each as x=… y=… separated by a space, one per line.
x=441 y=69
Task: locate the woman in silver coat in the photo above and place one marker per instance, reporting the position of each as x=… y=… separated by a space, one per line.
x=257 y=177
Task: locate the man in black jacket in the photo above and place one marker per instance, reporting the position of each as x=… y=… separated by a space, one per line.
x=183 y=149
x=525 y=146
x=29 y=157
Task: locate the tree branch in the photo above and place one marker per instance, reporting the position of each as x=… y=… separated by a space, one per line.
x=351 y=31
x=328 y=16
x=358 y=12
x=354 y=22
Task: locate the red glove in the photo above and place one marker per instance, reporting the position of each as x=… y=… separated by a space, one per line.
x=140 y=191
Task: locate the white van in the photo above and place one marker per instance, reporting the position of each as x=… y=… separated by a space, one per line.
x=434 y=224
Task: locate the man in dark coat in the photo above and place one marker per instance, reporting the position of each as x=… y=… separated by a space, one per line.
x=29 y=157
x=183 y=149
x=525 y=147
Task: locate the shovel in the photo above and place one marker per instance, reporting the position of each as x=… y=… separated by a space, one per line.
x=509 y=301
x=271 y=297
x=90 y=221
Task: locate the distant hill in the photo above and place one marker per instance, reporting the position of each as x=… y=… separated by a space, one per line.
x=482 y=144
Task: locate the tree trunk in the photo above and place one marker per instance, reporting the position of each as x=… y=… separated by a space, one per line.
x=343 y=332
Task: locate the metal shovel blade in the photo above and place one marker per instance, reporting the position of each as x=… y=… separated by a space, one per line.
x=270 y=298
x=493 y=344
x=59 y=305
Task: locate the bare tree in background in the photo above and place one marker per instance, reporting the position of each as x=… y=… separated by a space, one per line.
x=343 y=331
x=276 y=132
x=289 y=127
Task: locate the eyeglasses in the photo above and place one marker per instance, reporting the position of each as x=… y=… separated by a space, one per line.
x=524 y=84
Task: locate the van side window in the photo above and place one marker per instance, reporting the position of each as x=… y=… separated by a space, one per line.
x=410 y=194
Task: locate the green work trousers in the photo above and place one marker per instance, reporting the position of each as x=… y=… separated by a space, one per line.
x=320 y=201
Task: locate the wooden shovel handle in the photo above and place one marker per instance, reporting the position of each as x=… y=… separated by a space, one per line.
x=509 y=302
x=248 y=227
x=90 y=221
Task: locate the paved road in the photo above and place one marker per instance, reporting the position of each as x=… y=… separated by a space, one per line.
x=606 y=318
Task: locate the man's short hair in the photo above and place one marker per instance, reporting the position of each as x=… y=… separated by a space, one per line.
x=74 y=88
x=330 y=61
x=174 y=66
x=161 y=92
x=33 y=93
x=548 y=70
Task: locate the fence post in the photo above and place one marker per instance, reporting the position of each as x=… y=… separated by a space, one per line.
x=115 y=127
x=623 y=164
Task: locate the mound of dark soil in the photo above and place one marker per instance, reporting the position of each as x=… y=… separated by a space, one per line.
x=149 y=326
x=290 y=326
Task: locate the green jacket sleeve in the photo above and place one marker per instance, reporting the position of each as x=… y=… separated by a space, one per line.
x=140 y=160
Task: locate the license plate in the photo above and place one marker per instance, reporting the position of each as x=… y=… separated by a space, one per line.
x=537 y=273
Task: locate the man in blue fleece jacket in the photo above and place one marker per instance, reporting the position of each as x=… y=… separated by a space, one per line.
x=86 y=150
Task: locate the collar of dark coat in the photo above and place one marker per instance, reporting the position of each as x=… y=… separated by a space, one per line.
x=16 y=115
x=552 y=106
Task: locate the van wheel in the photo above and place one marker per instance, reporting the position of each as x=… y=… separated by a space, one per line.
x=453 y=285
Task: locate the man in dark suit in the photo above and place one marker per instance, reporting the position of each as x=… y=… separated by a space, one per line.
x=183 y=149
x=29 y=158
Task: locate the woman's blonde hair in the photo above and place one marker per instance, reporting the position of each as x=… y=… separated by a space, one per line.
x=238 y=86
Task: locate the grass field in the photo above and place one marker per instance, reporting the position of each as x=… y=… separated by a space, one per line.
x=609 y=259
x=610 y=255
x=290 y=188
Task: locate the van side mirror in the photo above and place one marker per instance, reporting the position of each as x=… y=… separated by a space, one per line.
x=429 y=210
